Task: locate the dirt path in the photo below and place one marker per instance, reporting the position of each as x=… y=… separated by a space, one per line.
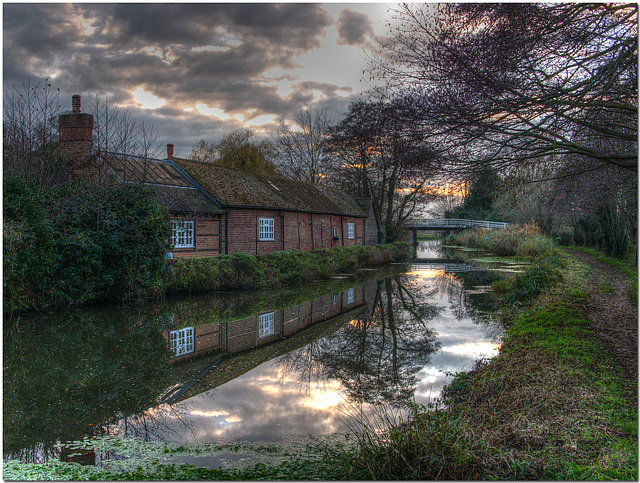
x=611 y=313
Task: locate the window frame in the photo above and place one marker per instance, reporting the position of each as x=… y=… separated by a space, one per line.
x=266 y=324
x=184 y=230
x=266 y=229
x=351 y=295
x=182 y=341
x=351 y=231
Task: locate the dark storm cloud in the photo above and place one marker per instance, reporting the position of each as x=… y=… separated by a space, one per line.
x=211 y=54
x=354 y=28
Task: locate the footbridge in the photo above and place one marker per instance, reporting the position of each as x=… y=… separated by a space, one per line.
x=448 y=224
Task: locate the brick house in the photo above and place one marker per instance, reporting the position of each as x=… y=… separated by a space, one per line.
x=217 y=210
x=265 y=214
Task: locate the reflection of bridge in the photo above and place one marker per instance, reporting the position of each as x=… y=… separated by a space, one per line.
x=449 y=266
x=446 y=224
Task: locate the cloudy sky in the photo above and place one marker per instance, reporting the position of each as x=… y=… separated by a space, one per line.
x=197 y=70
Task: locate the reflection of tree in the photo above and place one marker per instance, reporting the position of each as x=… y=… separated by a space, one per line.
x=463 y=300
x=161 y=423
x=376 y=358
x=66 y=379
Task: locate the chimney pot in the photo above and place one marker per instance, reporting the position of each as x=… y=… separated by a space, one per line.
x=169 y=150
x=75 y=103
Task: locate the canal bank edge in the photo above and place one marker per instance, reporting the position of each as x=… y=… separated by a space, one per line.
x=242 y=271
x=553 y=405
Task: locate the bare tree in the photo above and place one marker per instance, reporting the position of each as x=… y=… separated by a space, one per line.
x=385 y=160
x=504 y=84
x=301 y=151
x=30 y=133
x=115 y=131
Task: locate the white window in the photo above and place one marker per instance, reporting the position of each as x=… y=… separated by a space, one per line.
x=350 y=296
x=265 y=229
x=266 y=324
x=351 y=231
x=335 y=233
x=182 y=341
x=182 y=234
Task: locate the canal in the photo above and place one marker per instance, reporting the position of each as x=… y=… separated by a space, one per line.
x=261 y=366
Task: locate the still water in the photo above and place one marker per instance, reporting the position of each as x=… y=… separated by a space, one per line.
x=260 y=366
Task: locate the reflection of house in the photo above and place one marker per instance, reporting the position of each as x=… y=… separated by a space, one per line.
x=216 y=210
x=261 y=329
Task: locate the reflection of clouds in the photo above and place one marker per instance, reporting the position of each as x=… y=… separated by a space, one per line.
x=208 y=414
x=244 y=409
x=475 y=349
x=295 y=395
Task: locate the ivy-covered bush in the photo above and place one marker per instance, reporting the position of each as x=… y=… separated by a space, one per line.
x=85 y=242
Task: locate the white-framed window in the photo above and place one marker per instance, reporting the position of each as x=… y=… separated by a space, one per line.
x=182 y=341
x=335 y=233
x=182 y=233
x=266 y=324
x=351 y=231
x=350 y=296
x=266 y=231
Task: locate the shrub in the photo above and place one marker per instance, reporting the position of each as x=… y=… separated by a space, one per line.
x=80 y=243
x=527 y=241
x=242 y=271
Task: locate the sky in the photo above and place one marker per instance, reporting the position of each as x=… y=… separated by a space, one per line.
x=196 y=71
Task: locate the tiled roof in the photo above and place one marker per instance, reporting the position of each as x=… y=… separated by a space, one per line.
x=173 y=190
x=235 y=188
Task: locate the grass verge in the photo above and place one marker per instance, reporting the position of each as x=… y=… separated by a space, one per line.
x=627 y=265
x=242 y=271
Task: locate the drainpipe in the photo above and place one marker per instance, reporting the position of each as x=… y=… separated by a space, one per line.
x=226 y=232
x=282 y=224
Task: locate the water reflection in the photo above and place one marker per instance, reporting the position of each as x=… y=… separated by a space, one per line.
x=375 y=357
x=64 y=381
x=250 y=366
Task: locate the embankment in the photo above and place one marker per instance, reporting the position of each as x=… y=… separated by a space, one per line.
x=242 y=271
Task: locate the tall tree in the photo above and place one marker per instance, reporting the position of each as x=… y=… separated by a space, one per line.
x=30 y=133
x=504 y=84
x=385 y=160
x=238 y=150
x=301 y=150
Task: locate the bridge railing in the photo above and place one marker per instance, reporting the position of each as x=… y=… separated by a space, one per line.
x=455 y=222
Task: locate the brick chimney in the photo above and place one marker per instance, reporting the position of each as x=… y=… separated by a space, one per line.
x=76 y=135
x=169 y=151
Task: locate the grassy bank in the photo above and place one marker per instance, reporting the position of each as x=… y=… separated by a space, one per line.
x=242 y=271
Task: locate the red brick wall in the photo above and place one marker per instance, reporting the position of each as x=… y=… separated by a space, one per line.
x=209 y=234
x=243 y=334
x=243 y=231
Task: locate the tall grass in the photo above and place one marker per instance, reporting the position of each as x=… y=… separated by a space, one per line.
x=526 y=241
